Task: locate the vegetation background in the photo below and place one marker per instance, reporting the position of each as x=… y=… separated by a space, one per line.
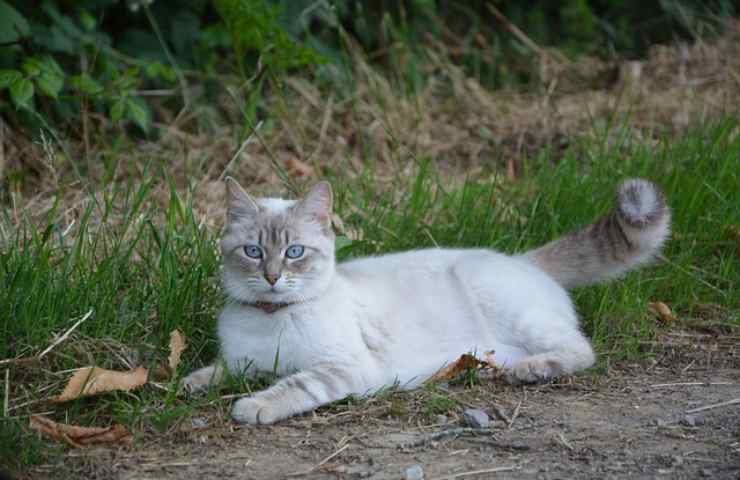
x=479 y=123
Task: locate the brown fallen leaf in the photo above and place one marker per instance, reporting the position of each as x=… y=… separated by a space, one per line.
x=93 y=380
x=461 y=365
x=298 y=168
x=663 y=312
x=80 y=436
x=177 y=346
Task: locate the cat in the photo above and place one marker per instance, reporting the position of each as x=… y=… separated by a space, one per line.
x=352 y=328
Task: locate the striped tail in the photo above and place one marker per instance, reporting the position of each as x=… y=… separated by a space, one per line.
x=630 y=235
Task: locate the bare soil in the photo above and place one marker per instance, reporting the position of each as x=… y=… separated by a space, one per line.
x=634 y=421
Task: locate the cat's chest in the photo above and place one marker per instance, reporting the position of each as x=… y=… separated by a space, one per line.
x=283 y=341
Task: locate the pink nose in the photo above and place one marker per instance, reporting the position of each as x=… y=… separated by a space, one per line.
x=272 y=278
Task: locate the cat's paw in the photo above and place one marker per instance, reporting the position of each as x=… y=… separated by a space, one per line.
x=195 y=382
x=531 y=370
x=254 y=411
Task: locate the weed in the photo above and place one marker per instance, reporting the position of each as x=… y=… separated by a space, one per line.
x=439 y=405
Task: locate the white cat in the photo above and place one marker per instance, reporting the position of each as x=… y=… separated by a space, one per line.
x=355 y=327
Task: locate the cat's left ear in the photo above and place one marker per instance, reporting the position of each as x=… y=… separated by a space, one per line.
x=318 y=203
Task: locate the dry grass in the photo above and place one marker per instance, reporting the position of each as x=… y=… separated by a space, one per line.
x=357 y=117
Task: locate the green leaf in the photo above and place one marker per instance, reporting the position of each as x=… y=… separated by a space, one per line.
x=86 y=84
x=50 y=84
x=13 y=25
x=51 y=77
x=117 y=110
x=9 y=77
x=138 y=114
x=22 y=92
x=87 y=21
x=32 y=67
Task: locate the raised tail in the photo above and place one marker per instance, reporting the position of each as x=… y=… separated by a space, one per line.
x=630 y=235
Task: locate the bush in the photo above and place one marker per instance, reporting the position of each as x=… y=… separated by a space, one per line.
x=101 y=55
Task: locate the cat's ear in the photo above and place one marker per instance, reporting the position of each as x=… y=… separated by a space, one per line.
x=318 y=203
x=239 y=203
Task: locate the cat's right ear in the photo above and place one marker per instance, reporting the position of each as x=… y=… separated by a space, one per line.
x=239 y=204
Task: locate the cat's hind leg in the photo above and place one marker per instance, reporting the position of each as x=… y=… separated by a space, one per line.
x=559 y=349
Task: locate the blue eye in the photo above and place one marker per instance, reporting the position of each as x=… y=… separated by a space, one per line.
x=294 y=251
x=253 y=251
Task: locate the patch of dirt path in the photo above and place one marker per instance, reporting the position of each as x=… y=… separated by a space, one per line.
x=626 y=424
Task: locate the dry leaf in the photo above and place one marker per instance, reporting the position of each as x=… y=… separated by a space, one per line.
x=461 y=365
x=177 y=345
x=93 y=380
x=79 y=436
x=663 y=312
x=298 y=168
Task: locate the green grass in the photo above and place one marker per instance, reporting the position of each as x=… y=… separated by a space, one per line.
x=145 y=265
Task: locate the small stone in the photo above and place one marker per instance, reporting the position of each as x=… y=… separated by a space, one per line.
x=442 y=419
x=199 y=422
x=692 y=420
x=476 y=418
x=414 y=472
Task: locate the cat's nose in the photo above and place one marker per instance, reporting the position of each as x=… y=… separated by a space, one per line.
x=272 y=278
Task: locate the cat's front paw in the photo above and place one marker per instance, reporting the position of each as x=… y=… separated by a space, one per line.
x=195 y=382
x=531 y=370
x=254 y=411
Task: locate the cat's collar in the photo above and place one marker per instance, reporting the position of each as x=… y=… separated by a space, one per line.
x=270 y=307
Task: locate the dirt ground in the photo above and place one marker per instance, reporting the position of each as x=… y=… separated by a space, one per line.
x=634 y=421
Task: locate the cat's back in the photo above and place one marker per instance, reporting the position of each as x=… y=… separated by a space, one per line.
x=431 y=258
x=438 y=271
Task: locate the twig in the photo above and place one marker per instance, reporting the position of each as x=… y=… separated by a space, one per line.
x=444 y=433
x=7 y=392
x=66 y=334
x=19 y=360
x=500 y=414
x=565 y=441
x=240 y=150
x=689 y=384
x=313 y=469
x=687 y=367
x=514 y=30
x=506 y=446
x=716 y=405
x=514 y=415
x=479 y=472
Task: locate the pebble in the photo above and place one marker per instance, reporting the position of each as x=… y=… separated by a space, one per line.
x=692 y=420
x=414 y=472
x=476 y=418
x=442 y=419
x=199 y=422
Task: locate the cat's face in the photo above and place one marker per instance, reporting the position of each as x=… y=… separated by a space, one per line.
x=277 y=251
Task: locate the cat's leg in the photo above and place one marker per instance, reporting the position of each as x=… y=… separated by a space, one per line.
x=298 y=393
x=559 y=349
x=203 y=377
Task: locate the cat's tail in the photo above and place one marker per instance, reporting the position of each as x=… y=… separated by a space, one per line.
x=628 y=236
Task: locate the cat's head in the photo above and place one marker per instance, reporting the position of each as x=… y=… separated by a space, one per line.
x=275 y=250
